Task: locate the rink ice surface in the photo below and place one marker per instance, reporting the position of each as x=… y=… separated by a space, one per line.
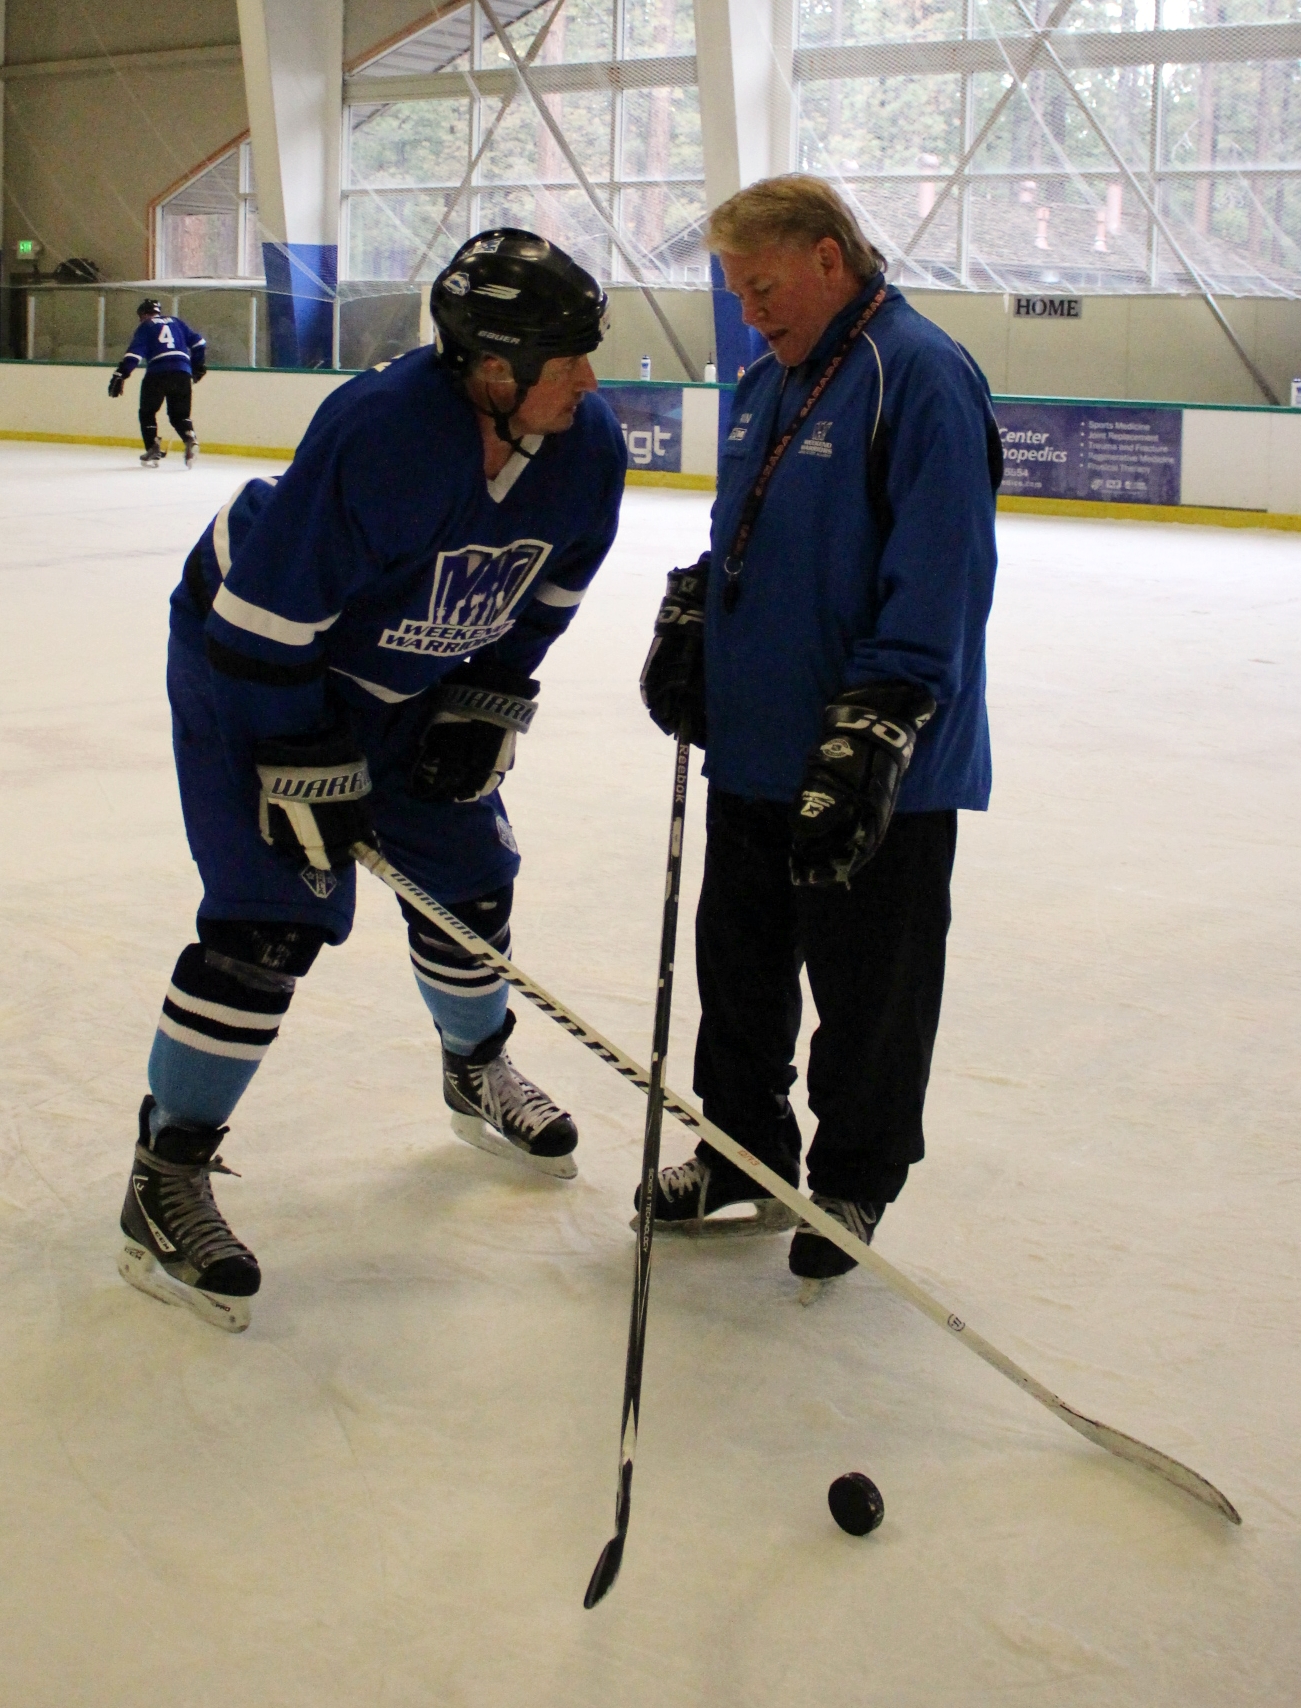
x=391 y=1490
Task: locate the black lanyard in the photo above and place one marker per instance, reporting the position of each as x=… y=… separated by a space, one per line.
x=734 y=562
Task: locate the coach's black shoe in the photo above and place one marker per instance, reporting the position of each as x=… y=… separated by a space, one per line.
x=690 y=1199
x=179 y=1248
x=814 y=1258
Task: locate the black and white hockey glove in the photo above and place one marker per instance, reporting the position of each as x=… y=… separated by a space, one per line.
x=852 y=778
x=314 y=790
x=468 y=744
x=673 y=676
x=117 y=380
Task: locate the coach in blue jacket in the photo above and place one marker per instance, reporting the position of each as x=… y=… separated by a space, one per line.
x=828 y=653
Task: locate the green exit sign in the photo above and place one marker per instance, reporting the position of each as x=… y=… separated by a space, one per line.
x=26 y=247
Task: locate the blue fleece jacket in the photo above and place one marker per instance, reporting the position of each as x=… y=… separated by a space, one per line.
x=826 y=603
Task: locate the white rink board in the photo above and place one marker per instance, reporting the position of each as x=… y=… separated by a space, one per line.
x=231 y=406
x=1237 y=459
x=392 y=1490
x=251 y=410
x=1245 y=459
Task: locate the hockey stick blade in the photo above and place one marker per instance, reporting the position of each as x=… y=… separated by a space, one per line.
x=1102 y=1435
x=607 y=1567
x=607 y=1570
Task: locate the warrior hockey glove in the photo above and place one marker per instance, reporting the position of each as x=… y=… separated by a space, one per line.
x=117 y=380
x=852 y=778
x=468 y=745
x=673 y=676
x=314 y=790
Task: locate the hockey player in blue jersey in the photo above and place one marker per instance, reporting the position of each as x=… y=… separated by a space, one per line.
x=352 y=656
x=175 y=359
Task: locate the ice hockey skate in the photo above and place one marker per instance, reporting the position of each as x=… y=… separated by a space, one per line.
x=816 y=1260
x=494 y=1107
x=689 y=1199
x=191 y=450
x=179 y=1248
x=153 y=457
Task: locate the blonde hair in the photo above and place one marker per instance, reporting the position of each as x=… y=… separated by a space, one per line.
x=794 y=208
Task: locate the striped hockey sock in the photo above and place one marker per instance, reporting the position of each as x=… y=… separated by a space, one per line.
x=219 y=1019
x=467 y=1001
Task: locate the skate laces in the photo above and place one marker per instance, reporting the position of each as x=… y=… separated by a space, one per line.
x=681 y=1178
x=858 y=1219
x=512 y=1097
x=186 y=1200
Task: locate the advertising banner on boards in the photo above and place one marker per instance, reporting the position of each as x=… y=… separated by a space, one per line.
x=651 y=419
x=1098 y=451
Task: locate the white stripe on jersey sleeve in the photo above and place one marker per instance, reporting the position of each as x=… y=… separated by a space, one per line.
x=255 y=620
x=221 y=522
x=221 y=535
x=550 y=594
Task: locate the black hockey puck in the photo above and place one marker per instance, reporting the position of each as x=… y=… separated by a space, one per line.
x=856 y=1503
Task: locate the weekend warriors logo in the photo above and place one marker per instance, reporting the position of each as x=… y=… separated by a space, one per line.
x=475 y=592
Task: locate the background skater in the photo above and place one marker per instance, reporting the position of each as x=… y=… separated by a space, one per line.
x=351 y=653
x=175 y=360
x=828 y=653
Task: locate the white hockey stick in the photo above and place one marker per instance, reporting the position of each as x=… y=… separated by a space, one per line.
x=1101 y=1434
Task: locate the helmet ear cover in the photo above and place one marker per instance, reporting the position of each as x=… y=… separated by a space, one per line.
x=525 y=366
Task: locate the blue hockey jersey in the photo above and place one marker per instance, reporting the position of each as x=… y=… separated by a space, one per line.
x=165 y=345
x=826 y=603
x=383 y=558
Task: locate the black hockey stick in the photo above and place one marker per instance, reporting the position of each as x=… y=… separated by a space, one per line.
x=1102 y=1434
x=607 y=1567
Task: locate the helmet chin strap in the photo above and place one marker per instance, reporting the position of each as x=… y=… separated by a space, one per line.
x=501 y=418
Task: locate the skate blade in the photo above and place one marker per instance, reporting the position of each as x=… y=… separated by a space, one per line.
x=142 y=1270
x=770 y=1216
x=477 y=1132
x=811 y=1290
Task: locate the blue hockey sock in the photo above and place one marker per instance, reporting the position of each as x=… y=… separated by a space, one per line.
x=214 y=1030
x=467 y=1001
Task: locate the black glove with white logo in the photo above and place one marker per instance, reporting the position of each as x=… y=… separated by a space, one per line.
x=673 y=676
x=852 y=778
x=117 y=380
x=468 y=744
x=314 y=790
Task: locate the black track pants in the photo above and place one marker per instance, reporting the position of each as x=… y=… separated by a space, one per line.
x=174 y=389
x=875 y=958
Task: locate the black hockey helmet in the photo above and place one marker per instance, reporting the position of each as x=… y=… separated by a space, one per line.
x=150 y=305
x=512 y=294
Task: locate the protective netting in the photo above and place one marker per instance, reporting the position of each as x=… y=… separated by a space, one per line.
x=470 y=149
x=1100 y=145
x=1104 y=145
